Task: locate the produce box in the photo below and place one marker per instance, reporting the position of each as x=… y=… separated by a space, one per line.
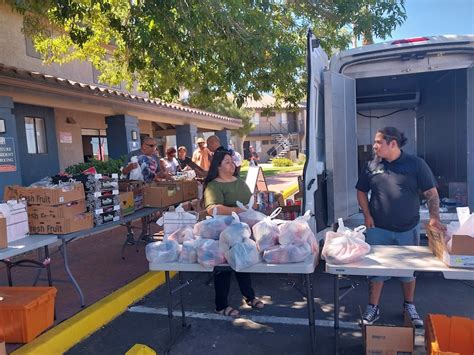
x=388 y=340
x=127 y=203
x=16 y=219
x=61 y=225
x=25 y=312
x=3 y=232
x=135 y=186
x=46 y=196
x=462 y=249
x=64 y=210
x=190 y=190
x=162 y=194
x=449 y=335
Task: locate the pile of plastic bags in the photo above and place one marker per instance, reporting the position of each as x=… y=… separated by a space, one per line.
x=345 y=245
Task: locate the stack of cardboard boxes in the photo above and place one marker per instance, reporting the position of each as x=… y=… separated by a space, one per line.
x=102 y=198
x=57 y=209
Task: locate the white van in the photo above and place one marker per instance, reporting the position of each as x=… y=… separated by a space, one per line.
x=423 y=86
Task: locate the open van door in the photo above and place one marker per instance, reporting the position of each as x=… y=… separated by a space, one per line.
x=317 y=62
x=331 y=141
x=341 y=145
x=470 y=137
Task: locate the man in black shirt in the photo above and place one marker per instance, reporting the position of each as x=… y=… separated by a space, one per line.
x=394 y=179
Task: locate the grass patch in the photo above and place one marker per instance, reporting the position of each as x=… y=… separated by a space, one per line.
x=269 y=170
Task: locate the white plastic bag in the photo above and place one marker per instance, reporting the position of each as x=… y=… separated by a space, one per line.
x=467 y=228
x=188 y=254
x=242 y=255
x=136 y=174
x=345 y=245
x=290 y=253
x=209 y=254
x=266 y=232
x=162 y=252
x=212 y=227
x=297 y=231
x=235 y=233
x=182 y=234
x=171 y=221
x=249 y=215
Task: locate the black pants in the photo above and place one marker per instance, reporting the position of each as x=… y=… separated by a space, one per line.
x=222 y=287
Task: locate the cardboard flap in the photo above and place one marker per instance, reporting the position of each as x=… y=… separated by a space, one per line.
x=462 y=245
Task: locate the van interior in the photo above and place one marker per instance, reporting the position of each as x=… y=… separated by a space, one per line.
x=431 y=109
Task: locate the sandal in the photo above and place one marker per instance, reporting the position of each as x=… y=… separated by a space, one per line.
x=255 y=303
x=229 y=312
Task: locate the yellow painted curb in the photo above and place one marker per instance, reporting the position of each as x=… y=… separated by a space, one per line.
x=140 y=349
x=290 y=191
x=70 y=332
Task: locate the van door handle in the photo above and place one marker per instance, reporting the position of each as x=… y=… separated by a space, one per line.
x=311 y=182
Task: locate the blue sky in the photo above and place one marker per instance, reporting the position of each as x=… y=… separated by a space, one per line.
x=436 y=17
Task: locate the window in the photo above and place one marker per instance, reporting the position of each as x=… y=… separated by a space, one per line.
x=30 y=48
x=94 y=144
x=265 y=142
x=35 y=135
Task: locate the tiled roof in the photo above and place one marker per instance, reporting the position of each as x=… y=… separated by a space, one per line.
x=105 y=91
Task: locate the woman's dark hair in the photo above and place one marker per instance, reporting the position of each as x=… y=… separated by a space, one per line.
x=215 y=163
x=391 y=133
x=171 y=150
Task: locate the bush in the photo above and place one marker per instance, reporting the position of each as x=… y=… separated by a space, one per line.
x=111 y=166
x=301 y=159
x=282 y=162
x=245 y=163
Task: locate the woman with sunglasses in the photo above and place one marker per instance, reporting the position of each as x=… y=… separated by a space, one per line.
x=222 y=190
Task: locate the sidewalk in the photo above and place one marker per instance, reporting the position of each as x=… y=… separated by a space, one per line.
x=97 y=265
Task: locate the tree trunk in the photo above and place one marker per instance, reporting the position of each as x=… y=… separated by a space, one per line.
x=239 y=144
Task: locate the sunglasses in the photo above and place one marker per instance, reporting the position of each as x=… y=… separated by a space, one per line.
x=151 y=145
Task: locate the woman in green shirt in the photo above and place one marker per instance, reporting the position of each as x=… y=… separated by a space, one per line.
x=222 y=190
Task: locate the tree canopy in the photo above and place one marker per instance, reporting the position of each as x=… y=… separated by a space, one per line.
x=209 y=47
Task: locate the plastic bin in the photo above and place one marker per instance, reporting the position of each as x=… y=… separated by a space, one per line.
x=449 y=335
x=25 y=312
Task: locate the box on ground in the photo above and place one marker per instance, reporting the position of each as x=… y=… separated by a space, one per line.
x=127 y=203
x=388 y=340
x=64 y=210
x=61 y=225
x=25 y=312
x=449 y=335
x=462 y=249
x=46 y=196
x=162 y=194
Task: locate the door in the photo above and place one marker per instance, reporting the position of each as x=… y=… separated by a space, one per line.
x=341 y=145
x=317 y=62
x=470 y=137
x=36 y=127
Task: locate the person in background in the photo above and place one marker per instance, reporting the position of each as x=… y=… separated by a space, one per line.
x=392 y=215
x=169 y=164
x=201 y=155
x=185 y=163
x=148 y=160
x=253 y=156
x=214 y=145
x=222 y=190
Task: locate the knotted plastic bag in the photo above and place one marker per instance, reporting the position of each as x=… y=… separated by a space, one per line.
x=235 y=233
x=188 y=254
x=162 y=252
x=290 y=253
x=212 y=227
x=242 y=255
x=297 y=231
x=171 y=221
x=266 y=232
x=182 y=234
x=345 y=245
x=136 y=174
x=249 y=215
x=209 y=254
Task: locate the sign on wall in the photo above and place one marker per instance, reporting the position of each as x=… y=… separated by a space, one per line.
x=7 y=155
x=65 y=137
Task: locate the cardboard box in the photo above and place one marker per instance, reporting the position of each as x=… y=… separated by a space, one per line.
x=127 y=203
x=388 y=340
x=45 y=196
x=135 y=186
x=61 y=225
x=3 y=232
x=190 y=190
x=462 y=249
x=16 y=219
x=59 y=211
x=162 y=195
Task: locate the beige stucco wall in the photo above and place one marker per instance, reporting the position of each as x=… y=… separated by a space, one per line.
x=72 y=153
x=145 y=127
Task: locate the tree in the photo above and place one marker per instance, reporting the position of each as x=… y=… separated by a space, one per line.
x=210 y=47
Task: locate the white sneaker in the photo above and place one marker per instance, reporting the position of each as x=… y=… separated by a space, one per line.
x=410 y=310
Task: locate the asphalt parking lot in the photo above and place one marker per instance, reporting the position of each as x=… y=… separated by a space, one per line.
x=279 y=328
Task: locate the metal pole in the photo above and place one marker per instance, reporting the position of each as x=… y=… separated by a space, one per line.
x=68 y=271
x=336 y=301
x=183 y=315
x=48 y=265
x=310 y=301
x=170 y=305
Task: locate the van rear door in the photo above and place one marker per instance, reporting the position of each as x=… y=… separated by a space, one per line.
x=470 y=137
x=330 y=139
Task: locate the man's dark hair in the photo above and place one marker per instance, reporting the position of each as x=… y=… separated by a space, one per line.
x=392 y=133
